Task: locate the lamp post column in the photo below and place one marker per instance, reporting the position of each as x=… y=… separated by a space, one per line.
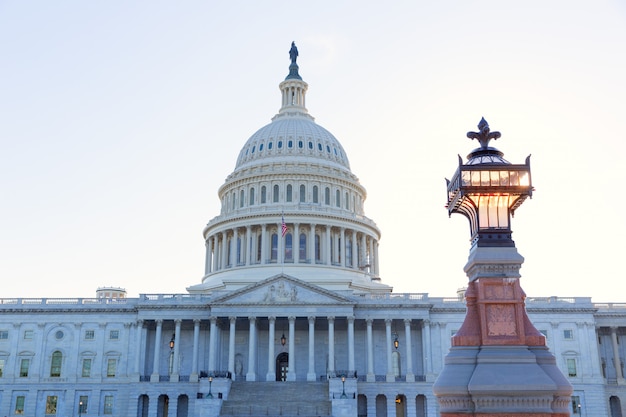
x=174 y=377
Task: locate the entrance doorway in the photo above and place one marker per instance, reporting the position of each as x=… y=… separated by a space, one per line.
x=282 y=366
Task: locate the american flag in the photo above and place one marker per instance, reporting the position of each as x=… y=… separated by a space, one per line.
x=283 y=226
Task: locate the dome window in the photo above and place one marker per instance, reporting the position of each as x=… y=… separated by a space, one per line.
x=327 y=196
x=247 y=152
x=280 y=144
x=302 y=193
x=319 y=146
x=275 y=193
x=290 y=144
x=335 y=149
x=327 y=148
x=289 y=193
x=253 y=148
x=263 y=195
x=300 y=144
x=315 y=194
x=270 y=145
x=260 y=147
x=310 y=145
x=337 y=198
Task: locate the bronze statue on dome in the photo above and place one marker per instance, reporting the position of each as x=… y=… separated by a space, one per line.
x=293 y=52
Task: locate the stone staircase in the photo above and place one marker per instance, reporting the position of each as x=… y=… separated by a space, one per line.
x=290 y=399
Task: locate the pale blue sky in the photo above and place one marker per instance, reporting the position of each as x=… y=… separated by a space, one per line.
x=120 y=120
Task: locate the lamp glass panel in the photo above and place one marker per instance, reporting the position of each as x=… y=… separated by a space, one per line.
x=485 y=178
x=475 y=178
x=524 y=179
x=465 y=178
x=514 y=178
x=495 y=178
x=504 y=177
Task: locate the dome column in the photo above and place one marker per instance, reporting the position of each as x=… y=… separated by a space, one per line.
x=231 y=345
x=223 y=250
x=295 y=243
x=291 y=374
x=363 y=257
x=209 y=254
x=371 y=377
x=342 y=247
x=248 y=248
x=263 y=244
x=311 y=376
x=355 y=253
x=234 y=253
x=331 y=346
x=280 y=255
x=251 y=375
x=271 y=370
x=312 y=244
x=328 y=240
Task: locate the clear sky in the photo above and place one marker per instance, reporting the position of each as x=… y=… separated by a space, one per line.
x=120 y=120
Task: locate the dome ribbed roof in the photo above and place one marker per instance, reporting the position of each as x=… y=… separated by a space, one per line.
x=292 y=139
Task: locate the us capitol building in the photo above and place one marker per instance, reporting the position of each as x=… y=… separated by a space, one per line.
x=290 y=318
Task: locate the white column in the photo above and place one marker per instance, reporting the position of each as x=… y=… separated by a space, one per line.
x=295 y=246
x=351 y=344
x=231 y=346
x=251 y=375
x=208 y=259
x=331 y=346
x=224 y=250
x=410 y=376
x=291 y=373
x=194 y=359
x=363 y=255
x=616 y=358
x=371 y=377
x=355 y=253
x=426 y=347
x=376 y=263
x=328 y=239
x=216 y=255
x=390 y=375
x=234 y=257
x=335 y=249
x=249 y=245
x=138 y=344
x=310 y=376
x=312 y=244
x=371 y=256
x=342 y=247
x=157 y=351
x=271 y=364
x=175 y=363
x=263 y=244
x=212 y=343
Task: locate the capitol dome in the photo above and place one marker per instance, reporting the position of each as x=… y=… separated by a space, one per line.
x=292 y=207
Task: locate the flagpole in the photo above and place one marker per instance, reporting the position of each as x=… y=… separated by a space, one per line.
x=283 y=232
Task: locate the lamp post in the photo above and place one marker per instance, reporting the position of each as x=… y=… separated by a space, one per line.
x=171 y=361
x=396 y=343
x=497 y=353
x=580 y=409
x=343 y=387
x=80 y=408
x=210 y=394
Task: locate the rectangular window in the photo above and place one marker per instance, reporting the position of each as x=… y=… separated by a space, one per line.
x=568 y=334
x=24 y=365
x=51 y=405
x=2 y=362
x=19 y=404
x=90 y=334
x=28 y=335
x=4 y=334
x=83 y=402
x=86 y=373
x=111 y=365
x=108 y=404
x=571 y=367
x=114 y=334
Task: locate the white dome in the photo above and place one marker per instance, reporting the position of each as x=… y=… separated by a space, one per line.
x=294 y=139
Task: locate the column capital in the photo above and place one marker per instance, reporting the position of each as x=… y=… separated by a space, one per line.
x=554 y=324
x=178 y=321
x=272 y=319
x=350 y=319
x=252 y=318
x=139 y=323
x=311 y=319
x=425 y=323
x=331 y=319
x=369 y=321
x=159 y=322
x=197 y=321
x=292 y=318
x=213 y=319
x=407 y=321
x=388 y=321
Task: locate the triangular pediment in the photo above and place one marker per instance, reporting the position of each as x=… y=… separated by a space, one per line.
x=282 y=289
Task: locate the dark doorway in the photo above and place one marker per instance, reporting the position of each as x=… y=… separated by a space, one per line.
x=282 y=366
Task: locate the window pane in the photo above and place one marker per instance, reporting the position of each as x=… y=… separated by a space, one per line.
x=86 y=368
x=24 y=365
x=111 y=364
x=51 y=405
x=2 y=361
x=108 y=404
x=19 y=404
x=55 y=365
x=83 y=402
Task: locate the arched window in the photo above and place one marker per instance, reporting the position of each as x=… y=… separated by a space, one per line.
x=259 y=248
x=251 y=197
x=234 y=204
x=327 y=196
x=275 y=194
x=288 y=247
x=302 y=193
x=337 y=198
x=263 y=194
x=302 y=255
x=274 y=256
x=347 y=201
x=238 y=252
x=395 y=362
x=315 y=196
x=241 y=199
x=55 y=364
x=289 y=193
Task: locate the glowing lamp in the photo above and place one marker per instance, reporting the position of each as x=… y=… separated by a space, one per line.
x=487 y=190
